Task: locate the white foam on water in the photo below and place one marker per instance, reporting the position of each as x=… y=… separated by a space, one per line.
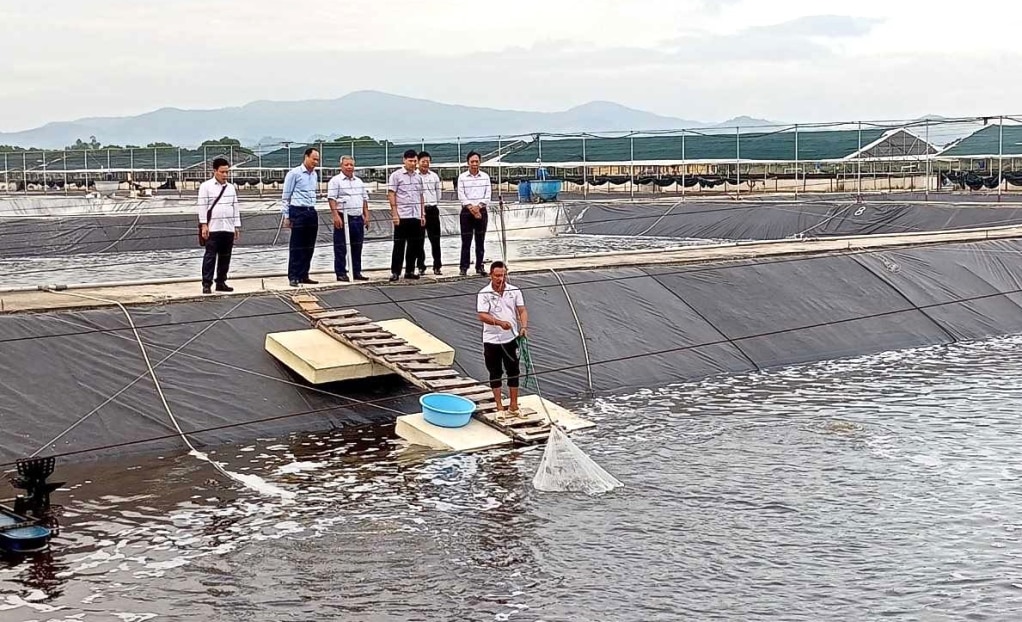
x=298 y=467
x=254 y=482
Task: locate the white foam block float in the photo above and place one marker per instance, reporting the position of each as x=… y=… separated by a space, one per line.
x=477 y=435
x=319 y=358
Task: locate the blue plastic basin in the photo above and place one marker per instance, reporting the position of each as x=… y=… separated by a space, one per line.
x=545 y=189
x=446 y=410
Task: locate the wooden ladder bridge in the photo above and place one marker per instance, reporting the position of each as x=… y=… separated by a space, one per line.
x=379 y=345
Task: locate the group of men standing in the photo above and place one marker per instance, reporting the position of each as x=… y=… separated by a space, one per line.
x=413 y=192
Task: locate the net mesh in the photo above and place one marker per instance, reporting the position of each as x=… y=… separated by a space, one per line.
x=564 y=467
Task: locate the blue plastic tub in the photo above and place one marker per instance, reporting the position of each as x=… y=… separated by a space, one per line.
x=447 y=410
x=545 y=189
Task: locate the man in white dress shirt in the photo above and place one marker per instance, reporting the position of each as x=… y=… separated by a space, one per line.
x=431 y=192
x=474 y=194
x=219 y=226
x=349 y=201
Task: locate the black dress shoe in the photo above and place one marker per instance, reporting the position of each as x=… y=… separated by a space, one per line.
x=482 y=273
x=293 y=283
x=412 y=276
x=224 y=287
x=437 y=272
x=343 y=277
x=422 y=271
x=206 y=289
x=394 y=277
x=309 y=282
x=359 y=277
x=463 y=272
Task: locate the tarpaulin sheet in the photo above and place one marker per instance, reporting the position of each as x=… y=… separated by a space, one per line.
x=140 y=231
x=224 y=377
x=987 y=276
x=780 y=312
x=36 y=237
x=775 y=220
x=642 y=326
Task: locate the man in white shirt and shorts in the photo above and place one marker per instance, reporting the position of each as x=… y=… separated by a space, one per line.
x=501 y=309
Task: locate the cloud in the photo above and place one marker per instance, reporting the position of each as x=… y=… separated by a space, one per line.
x=794 y=39
x=778 y=60
x=821 y=26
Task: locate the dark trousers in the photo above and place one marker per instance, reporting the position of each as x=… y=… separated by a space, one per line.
x=356 y=231
x=304 y=226
x=472 y=227
x=408 y=240
x=433 y=233
x=500 y=357
x=218 y=253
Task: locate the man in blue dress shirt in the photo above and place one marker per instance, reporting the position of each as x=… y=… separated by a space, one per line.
x=298 y=204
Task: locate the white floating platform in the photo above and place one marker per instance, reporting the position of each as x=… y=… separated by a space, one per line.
x=477 y=435
x=319 y=358
x=568 y=420
x=472 y=437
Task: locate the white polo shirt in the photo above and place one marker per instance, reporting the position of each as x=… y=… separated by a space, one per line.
x=503 y=307
x=349 y=192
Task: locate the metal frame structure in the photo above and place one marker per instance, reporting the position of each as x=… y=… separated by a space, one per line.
x=888 y=149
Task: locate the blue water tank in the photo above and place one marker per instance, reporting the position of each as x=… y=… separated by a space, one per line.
x=525 y=191
x=546 y=189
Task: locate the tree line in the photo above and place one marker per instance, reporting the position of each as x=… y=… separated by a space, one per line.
x=93 y=144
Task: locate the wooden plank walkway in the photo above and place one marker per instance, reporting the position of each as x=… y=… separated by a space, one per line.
x=356 y=331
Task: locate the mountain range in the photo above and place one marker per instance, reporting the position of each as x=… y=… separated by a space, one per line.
x=361 y=113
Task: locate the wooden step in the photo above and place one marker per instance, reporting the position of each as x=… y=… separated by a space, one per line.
x=453 y=383
x=365 y=327
x=367 y=332
x=468 y=390
x=351 y=321
x=481 y=396
x=300 y=298
x=385 y=350
x=413 y=366
x=332 y=314
x=379 y=341
x=441 y=373
x=408 y=358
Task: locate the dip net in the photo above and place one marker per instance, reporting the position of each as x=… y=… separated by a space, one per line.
x=564 y=467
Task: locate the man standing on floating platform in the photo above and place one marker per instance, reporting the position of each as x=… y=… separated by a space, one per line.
x=220 y=225
x=349 y=201
x=501 y=309
x=404 y=191
x=431 y=192
x=474 y=194
x=298 y=204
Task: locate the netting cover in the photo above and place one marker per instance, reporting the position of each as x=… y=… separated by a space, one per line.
x=566 y=468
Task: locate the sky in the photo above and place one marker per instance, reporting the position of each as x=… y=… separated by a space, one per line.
x=702 y=60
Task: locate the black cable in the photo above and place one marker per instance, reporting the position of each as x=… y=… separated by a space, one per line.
x=619 y=359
